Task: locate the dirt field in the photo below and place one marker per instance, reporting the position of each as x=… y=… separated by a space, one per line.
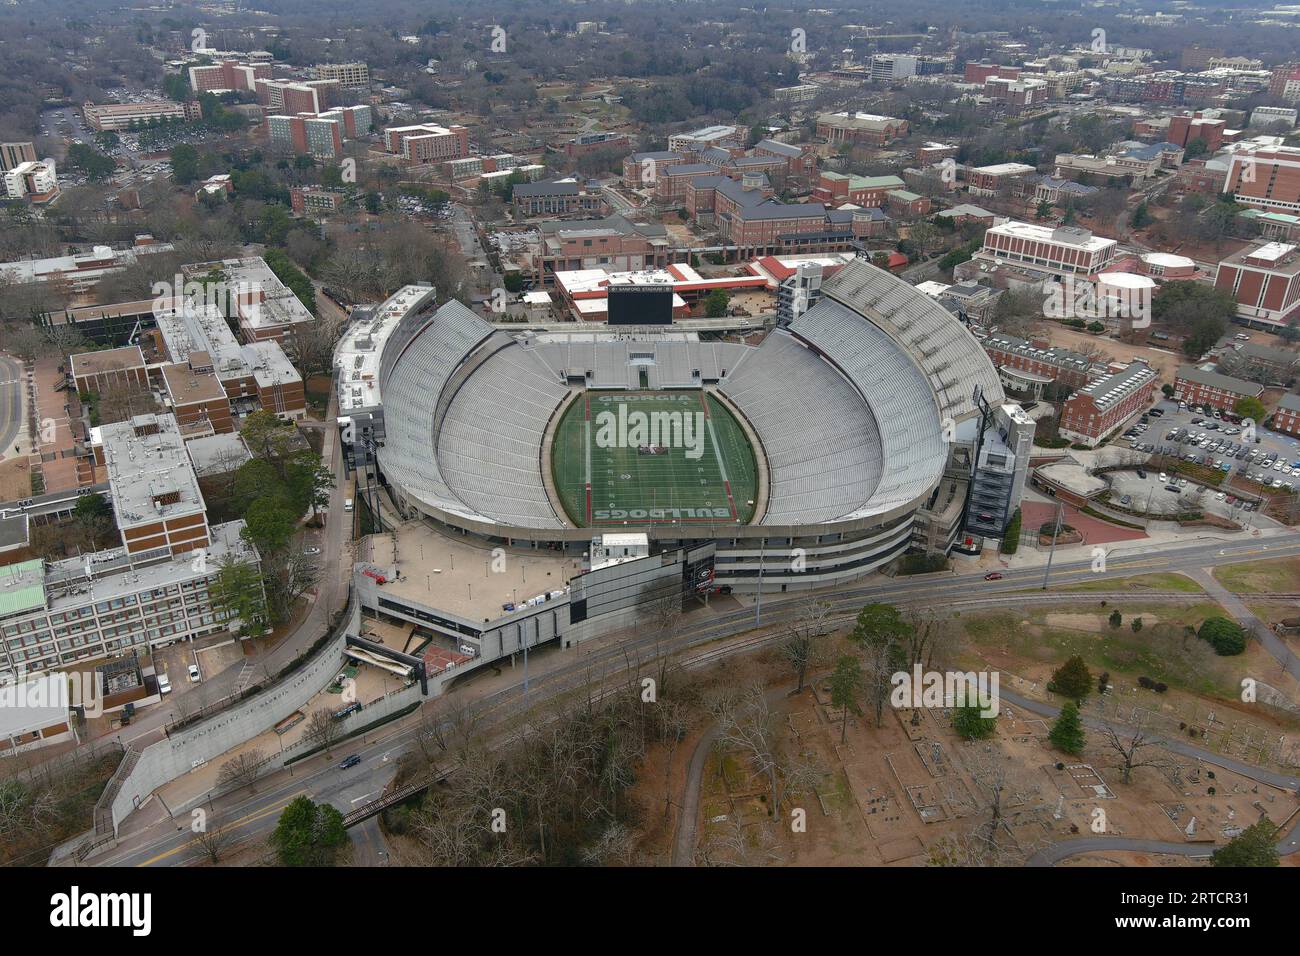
x=1164 y=362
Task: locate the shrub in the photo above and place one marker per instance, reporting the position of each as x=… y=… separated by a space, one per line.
x=1116 y=618
x=1228 y=638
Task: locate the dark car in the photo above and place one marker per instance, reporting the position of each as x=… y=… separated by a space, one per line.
x=350 y=761
x=1141 y=473
x=993 y=576
x=1173 y=488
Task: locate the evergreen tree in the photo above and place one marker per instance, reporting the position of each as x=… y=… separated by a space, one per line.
x=1072 y=679
x=1067 y=732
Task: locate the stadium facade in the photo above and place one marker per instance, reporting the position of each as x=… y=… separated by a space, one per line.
x=864 y=412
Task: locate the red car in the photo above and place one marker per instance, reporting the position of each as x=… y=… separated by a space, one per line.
x=993 y=576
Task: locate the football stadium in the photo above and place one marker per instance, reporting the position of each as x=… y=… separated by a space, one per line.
x=543 y=485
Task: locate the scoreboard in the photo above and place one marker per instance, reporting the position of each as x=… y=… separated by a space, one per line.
x=641 y=304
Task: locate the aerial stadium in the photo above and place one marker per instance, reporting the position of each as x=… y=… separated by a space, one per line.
x=844 y=438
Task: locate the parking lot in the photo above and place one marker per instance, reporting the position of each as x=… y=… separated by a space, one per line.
x=1217 y=443
x=1161 y=493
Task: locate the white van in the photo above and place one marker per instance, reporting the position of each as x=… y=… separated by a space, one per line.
x=347 y=504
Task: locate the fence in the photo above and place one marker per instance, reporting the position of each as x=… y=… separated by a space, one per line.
x=166 y=760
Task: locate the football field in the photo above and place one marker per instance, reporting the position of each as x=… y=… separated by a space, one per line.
x=653 y=457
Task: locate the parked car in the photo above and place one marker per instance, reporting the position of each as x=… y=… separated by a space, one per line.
x=195 y=676
x=164 y=685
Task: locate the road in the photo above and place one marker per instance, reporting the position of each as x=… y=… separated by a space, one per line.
x=11 y=402
x=331 y=595
x=568 y=670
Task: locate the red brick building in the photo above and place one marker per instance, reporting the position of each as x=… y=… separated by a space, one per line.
x=1103 y=406
x=1029 y=361
x=1287 y=417
x=1195 y=386
x=1265 y=282
x=980 y=72
x=1266 y=178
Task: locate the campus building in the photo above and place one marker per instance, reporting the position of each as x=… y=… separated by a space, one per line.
x=1197 y=386
x=1264 y=280
x=1102 y=407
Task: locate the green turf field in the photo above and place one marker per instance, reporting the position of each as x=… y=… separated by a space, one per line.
x=702 y=468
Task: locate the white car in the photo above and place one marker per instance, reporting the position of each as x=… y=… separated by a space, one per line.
x=164 y=685
x=1163 y=476
x=195 y=677
x=1220 y=496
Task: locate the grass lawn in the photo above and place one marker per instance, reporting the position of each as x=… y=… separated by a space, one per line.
x=1162 y=581
x=658 y=457
x=1161 y=650
x=1281 y=575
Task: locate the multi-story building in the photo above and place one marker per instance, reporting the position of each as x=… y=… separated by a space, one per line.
x=998 y=484
x=1028 y=366
x=290 y=97
x=1264 y=363
x=197 y=397
x=118 y=116
x=866 y=129
x=228 y=75
x=306 y=134
x=1197 y=386
x=15 y=154
x=35 y=712
x=839 y=188
x=1052 y=251
x=108 y=369
x=1264 y=280
x=558 y=198
x=644 y=169
x=280 y=388
x=1017 y=96
x=315 y=200
x=670 y=187
x=701 y=139
x=1265 y=177
x=111 y=603
x=586 y=143
x=265 y=308
x=345 y=74
x=1286 y=418
x=892 y=67
x=1101 y=407
x=612 y=243
x=1268 y=115
x=930 y=153
x=799 y=161
x=354 y=120
x=155 y=494
x=980 y=72
x=996 y=179
x=427 y=143
x=36 y=182
x=796 y=94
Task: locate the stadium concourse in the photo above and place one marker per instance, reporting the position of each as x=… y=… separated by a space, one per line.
x=659 y=463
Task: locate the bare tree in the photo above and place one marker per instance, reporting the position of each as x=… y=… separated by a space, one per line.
x=214 y=841
x=802 y=648
x=322 y=729
x=243 y=770
x=1133 y=747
